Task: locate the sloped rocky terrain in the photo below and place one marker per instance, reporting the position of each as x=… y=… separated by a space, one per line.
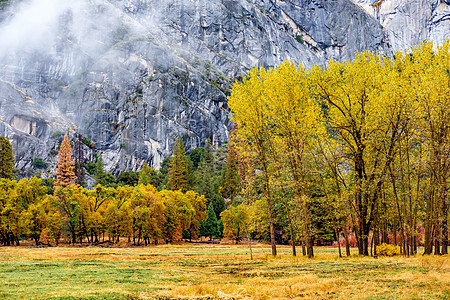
x=131 y=76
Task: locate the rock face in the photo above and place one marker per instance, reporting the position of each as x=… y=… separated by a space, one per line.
x=409 y=22
x=134 y=75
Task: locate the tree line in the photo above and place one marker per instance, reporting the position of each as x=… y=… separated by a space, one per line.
x=50 y=210
x=360 y=145
x=356 y=151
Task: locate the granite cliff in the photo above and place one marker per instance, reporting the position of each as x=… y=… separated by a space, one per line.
x=133 y=75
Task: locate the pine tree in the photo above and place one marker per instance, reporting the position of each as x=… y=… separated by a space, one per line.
x=147 y=175
x=206 y=171
x=178 y=172
x=6 y=158
x=65 y=168
x=231 y=180
x=99 y=170
x=79 y=160
x=210 y=226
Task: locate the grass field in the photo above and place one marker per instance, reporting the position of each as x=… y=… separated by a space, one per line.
x=214 y=272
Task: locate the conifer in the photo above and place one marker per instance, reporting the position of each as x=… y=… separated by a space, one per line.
x=231 y=181
x=210 y=226
x=178 y=172
x=146 y=175
x=65 y=168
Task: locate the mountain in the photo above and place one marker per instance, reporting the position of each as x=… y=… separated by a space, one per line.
x=409 y=22
x=131 y=76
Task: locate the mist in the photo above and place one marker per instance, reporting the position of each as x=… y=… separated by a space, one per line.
x=40 y=26
x=32 y=27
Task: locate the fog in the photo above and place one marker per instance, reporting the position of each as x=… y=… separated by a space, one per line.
x=39 y=26
x=32 y=27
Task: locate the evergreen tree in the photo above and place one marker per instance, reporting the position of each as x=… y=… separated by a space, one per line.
x=147 y=175
x=206 y=171
x=99 y=170
x=210 y=227
x=231 y=180
x=178 y=171
x=128 y=178
x=79 y=160
x=162 y=176
x=102 y=177
x=64 y=170
x=6 y=158
x=196 y=156
x=208 y=176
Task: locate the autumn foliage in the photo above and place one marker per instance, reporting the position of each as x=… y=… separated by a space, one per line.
x=6 y=158
x=140 y=215
x=65 y=168
x=361 y=145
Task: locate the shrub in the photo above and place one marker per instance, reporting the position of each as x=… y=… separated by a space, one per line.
x=128 y=178
x=86 y=141
x=56 y=134
x=299 y=39
x=90 y=168
x=388 y=250
x=39 y=163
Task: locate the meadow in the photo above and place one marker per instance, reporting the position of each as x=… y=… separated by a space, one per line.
x=215 y=272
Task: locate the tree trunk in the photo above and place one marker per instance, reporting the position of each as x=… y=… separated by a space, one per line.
x=376 y=241
x=338 y=242
x=437 y=245
x=269 y=205
x=347 y=243
x=394 y=231
x=445 y=224
x=428 y=238
x=358 y=201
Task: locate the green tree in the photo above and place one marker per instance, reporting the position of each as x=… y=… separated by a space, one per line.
x=231 y=180
x=210 y=226
x=237 y=221
x=178 y=171
x=205 y=173
x=128 y=178
x=102 y=177
x=39 y=163
x=147 y=175
x=196 y=156
x=6 y=159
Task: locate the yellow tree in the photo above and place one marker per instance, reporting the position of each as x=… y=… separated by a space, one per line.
x=247 y=103
x=294 y=117
x=198 y=202
x=431 y=82
x=351 y=95
x=6 y=158
x=64 y=170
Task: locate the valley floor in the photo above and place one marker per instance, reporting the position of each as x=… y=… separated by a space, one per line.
x=215 y=272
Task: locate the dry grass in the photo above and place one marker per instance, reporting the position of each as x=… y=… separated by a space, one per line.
x=215 y=271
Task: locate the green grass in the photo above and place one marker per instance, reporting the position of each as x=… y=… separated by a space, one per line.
x=221 y=272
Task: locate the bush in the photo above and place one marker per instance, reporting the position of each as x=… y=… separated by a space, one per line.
x=388 y=250
x=39 y=163
x=90 y=168
x=128 y=178
x=86 y=141
x=48 y=183
x=56 y=134
x=299 y=39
